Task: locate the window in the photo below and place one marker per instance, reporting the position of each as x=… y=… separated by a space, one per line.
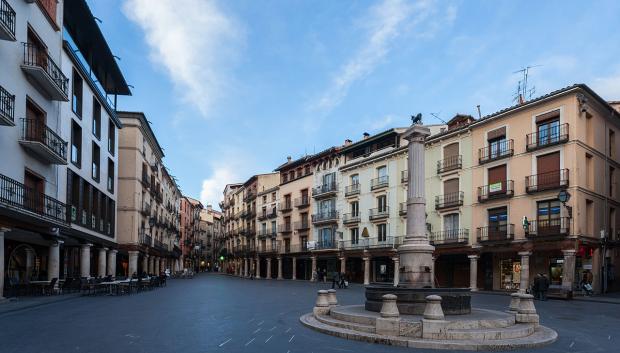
x=498 y=147
x=548 y=213
x=273 y=197
x=589 y=171
x=307 y=169
x=355 y=236
x=110 y=175
x=612 y=173
x=264 y=199
x=612 y=143
x=355 y=209
x=548 y=132
x=96 y=118
x=382 y=203
x=76 y=144
x=76 y=100
x=326 y=237
x=381 y=232
x=96 y=162
x=329 y=180
x=382 y=171
x=273 y=227
x=355 y=179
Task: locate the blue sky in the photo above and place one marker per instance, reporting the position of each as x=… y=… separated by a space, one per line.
x=234 y=87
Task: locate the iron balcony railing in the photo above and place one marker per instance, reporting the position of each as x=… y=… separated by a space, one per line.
x=37 y=131
x=404 y=176
x=378 y=213
x=553 y=135
x=273 y=213
x=7 y=104
x=371 y=243
x=285 y=228
x=294 y=248
x=499 y=150
x=451 y=236
x=267 y=233
x=145 y=239
x=250 y=195
x=453 y=199
x=325 y=189
x=326 y=243
x=380 y=182
x=7 y=17
x=286 y=206
x=351 y=218
x=548 y=227
x=546 y=181
x=303 y=201
x=16 y=194
x=450 y=163
x=146 y=208
x=302 y=225
x=325 y=216
x=269 y=247
x=499 y=190
x=352 y=189
x=495 y=233
x=33 y=56
x=159 y=245
x=402 y=208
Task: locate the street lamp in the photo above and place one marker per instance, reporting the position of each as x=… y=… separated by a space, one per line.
x=564 y=196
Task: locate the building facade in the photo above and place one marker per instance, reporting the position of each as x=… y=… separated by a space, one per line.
x=190 y=232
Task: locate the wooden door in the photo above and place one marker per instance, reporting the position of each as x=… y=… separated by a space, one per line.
x=33 y=192
x=34 y=127
x=497 y=180
x=548 y=171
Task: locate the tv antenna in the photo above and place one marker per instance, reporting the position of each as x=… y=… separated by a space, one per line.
x=523 y=92
x=436 y=116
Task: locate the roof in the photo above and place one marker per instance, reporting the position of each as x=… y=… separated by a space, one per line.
x=294 y=163
x=140 y=116
x=80 y=23
x=371 y=139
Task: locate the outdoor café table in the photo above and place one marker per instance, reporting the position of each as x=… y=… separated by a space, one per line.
x=110 y=285
x=40 y=284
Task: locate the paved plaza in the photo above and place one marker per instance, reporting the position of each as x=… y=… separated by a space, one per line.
x=218 y=313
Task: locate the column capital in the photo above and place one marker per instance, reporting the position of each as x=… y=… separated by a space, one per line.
x=86 y=245
x=569 y=252
x=133 y=252
x=103 y=249
x=113 y=251
x=396 y=259
x=525 y=253
x=4 y=230
x=57 y=243
x=473 y=257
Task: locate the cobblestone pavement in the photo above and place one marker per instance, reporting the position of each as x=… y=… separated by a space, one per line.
x=217 y=313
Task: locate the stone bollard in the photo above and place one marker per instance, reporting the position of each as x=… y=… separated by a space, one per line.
x=433 y=310
x=331 y=297
x=389 y=323
x=514 y=302
x=527 y=311
x=389 y=308
x=321 y=307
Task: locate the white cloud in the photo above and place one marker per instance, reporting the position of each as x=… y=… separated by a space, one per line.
x=607 y=87
x=381 y=123
x=194 y=41
x=212 y=187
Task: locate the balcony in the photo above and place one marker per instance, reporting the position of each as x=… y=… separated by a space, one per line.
x=351 y=218
x=7 y=21
x=554 y=135
x=379 y=183
x=294 y=248
x=302 y=225
x=160 y=246
x=145 y=180
x=40 y=67
x=14 y=194
x=327 y=243
x=325 y=217
x=43 y=142
x=454 y=199
x=267 y=233
x=146 y=209
x=249 y=196
x=557 y=179
x=402 y=208
x=285 y=228
x=449 y=164
x=145 y=239
x=286 y=206
x=325 y=190
x=375 y=214
x=272 y=214
x=404 y=176
x=502 y=149
x=302 y=202
x=371 y=243
x=450 y=237
x=351 y=190
x=251 y=213
x=499 y=190
x=544 y=228
x=7 y=108
x=243 y=214
x=496 y=233
x=271 y=247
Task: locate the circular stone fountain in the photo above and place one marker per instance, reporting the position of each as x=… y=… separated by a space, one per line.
x=411 y=301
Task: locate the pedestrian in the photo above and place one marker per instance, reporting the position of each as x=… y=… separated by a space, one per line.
x=536 y=287
x=335 y=279
x=544 y=287
x=585 y=285
x=324 y=275
x=343 y=283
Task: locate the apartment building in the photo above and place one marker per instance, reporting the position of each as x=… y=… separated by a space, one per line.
x=210 y=229
x=57 y=187
x=226 y=244
x=190 y=232
x=260 y=198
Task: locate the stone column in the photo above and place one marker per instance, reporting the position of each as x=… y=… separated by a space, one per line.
x=53 y=264
x=596 y=270
x=433 y=271
x=279 y=267
x=157 y=268
x=343 y=264
x=151 y=267
x=85 y=260
x=366 y=268
x=396 y=260
x=314 y=277
x=133 y=263
x=102 y=262
x=245 y=267
x=2 y=231
x=112 y=263
x=568 y=270
x=294 y=268
x=416 y=252
x=525 y=270
x=269 y=268
x=473 y=272
x=29 y=263
x=257 y=268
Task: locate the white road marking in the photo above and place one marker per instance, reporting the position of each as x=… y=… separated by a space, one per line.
x=260 y=323
x=223 y=343
x=273 y=328
x=258 y=329
x=250 y=341
x=571 y=344
x=287 y=330
x=268 y=339
x=293 y=336
x=251 y=320
x=609 y=337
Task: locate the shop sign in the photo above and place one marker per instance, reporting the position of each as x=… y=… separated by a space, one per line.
x=496 y=187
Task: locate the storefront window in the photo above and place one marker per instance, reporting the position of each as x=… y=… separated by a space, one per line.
x=556 y=266
x=511 y=274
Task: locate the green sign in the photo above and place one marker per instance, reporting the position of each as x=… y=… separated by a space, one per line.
x=221 y=258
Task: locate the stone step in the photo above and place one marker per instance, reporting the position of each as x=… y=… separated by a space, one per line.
x=516 y=331
x=354 y=318
x=328 y=320
x=507 y=321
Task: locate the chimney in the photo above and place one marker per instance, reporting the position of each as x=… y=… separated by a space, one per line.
x=209 y=208
x=288 y=159
x=347 y=142
x=366 y=135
